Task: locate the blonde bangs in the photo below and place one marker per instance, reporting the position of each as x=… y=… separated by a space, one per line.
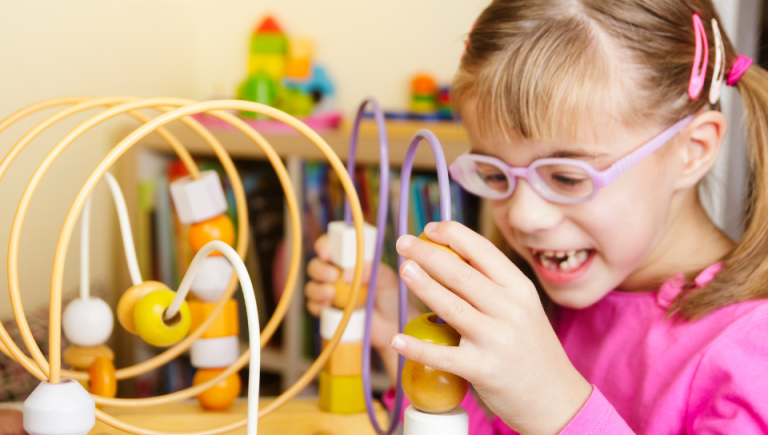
x=555 y=82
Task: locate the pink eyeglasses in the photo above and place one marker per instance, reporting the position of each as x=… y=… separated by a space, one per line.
x=564 y=181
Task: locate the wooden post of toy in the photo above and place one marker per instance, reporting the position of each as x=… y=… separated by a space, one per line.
x=341 y=381
x=202 y=203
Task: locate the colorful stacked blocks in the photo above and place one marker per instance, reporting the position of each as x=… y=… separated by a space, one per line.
x=202 y=203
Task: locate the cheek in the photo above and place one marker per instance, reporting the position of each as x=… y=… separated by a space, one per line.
x=627 y=217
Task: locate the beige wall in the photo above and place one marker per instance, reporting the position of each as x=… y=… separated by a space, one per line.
x=184 y=48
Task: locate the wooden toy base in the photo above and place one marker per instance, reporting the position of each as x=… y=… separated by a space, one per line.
x=297 y=417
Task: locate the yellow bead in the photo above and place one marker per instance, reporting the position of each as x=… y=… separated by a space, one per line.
x=427 y=389
x=430 y=390
x=148 y=319
x=423 y=236
x=426 y=328
x=130 y=298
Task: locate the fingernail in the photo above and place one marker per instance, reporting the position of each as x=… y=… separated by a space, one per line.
x=411 y=270
x=431 y=227
x=397 y=343
x=405 y=242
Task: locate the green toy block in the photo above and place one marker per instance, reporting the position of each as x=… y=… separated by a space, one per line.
x=269 y=43
x=341 y=394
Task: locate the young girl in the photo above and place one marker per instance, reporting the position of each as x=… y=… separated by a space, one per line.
x=590 y=135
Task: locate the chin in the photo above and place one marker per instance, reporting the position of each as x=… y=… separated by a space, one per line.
x=575 y=298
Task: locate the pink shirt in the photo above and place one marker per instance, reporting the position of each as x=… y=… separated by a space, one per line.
x=651 y=375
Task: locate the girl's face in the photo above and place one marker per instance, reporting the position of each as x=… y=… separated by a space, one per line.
x=580 y=252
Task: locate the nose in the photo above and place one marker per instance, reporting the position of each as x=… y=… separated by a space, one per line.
x=529 y=213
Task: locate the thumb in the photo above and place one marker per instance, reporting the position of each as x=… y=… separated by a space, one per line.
x=451 y=359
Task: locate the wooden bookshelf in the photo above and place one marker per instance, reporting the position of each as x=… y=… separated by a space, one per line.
x=452 y=137
x=144 y=160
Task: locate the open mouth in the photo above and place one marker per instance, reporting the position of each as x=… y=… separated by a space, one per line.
x=562 y=266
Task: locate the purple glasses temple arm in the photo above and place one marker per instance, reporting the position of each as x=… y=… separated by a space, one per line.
x=627 y=162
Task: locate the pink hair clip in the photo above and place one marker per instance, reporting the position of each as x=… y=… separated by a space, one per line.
x=738 y=69
x=718 y=76
x=699 y=73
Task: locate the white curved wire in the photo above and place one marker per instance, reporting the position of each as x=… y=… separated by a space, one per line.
x=125 y=230
x=254 y=332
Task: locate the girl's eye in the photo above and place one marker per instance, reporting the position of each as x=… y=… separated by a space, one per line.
x=492 y=177
x=566 y=180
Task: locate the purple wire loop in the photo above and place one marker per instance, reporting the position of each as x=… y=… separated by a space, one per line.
x=443 y=183
x=381 y=224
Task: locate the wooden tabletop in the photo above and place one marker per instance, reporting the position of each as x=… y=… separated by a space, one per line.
x=297 y=417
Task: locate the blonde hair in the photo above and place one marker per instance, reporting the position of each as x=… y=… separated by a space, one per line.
x=553 y=68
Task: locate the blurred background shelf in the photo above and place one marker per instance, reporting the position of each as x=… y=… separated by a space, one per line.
x=452 y=135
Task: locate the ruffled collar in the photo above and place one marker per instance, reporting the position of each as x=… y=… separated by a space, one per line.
x=673 y=286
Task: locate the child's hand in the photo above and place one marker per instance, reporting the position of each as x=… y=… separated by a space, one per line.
x=508 y=350
x=320 y=292
x=11 y=422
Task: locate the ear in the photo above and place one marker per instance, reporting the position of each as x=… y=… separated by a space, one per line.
x=700 y=144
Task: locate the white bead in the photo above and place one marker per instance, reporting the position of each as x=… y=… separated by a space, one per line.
x=416 y=422
x=330 y=319
x=198 y=200
x=87 y=322
x=59 y=409
x=343 y=243
x=214 y=353
x=212 y=278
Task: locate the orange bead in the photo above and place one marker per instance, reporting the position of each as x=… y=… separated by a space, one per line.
x=103 y=380
x=218 y=228
x=225 y=325
x=423 y=236
x=344 y=291
x=221 y=395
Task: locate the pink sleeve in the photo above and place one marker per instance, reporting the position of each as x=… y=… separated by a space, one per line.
x=597 y=416
x=479 y=423
x=729 y=390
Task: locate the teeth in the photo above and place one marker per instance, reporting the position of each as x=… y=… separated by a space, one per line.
x=563 y=260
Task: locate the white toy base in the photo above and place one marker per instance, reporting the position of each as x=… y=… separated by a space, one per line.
x=455 y=422
x=59 y=409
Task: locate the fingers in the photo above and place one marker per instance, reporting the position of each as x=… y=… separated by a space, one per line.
x=451 y=359
x=454 y=310
x=477 y=250
x=319 y=296
x=323 y=248
x=322 y=271
x=451 y=272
